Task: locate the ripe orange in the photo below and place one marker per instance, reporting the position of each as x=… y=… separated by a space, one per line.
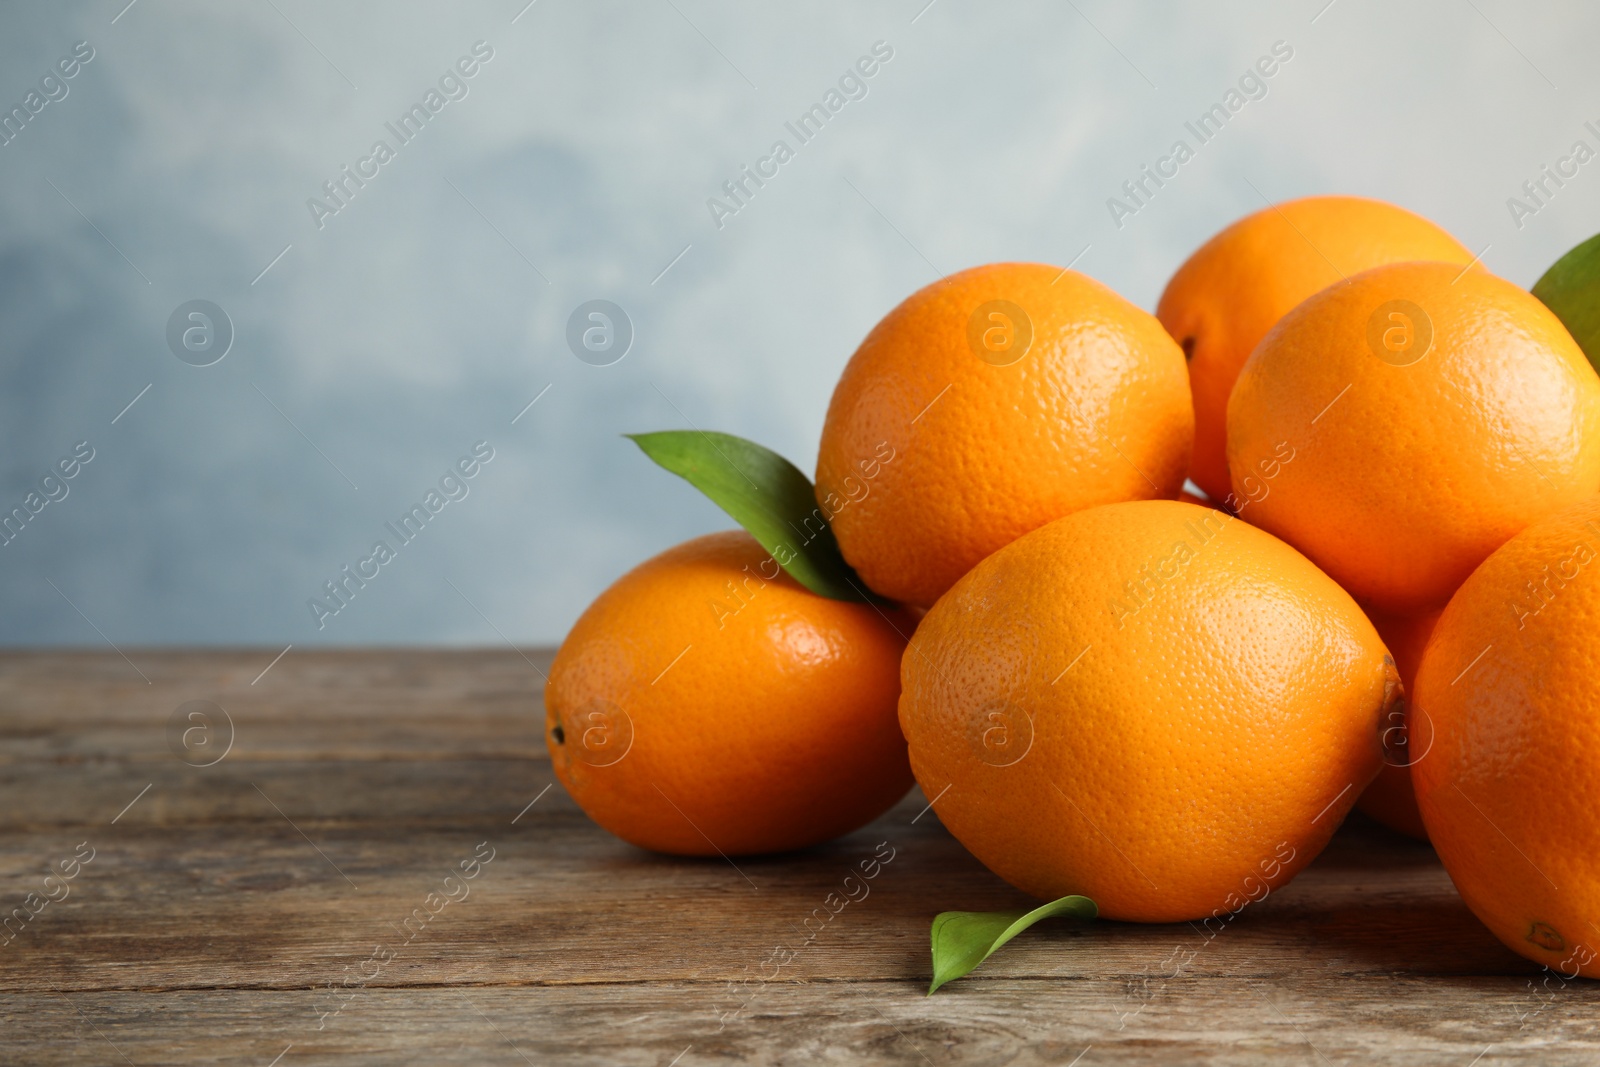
x=1227 y=295
x=1389 y=798
x=707 y=703
x=1511 y=683
x=1400 y=426
x=988 y=404
x=1152 y=704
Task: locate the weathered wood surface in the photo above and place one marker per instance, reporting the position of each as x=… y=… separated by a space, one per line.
x=258 y=907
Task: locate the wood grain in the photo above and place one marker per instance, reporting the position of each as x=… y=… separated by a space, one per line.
x=280 y=897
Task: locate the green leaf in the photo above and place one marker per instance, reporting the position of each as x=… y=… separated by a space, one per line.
x=767 y=495
x=1571 y=289
x=964 y=939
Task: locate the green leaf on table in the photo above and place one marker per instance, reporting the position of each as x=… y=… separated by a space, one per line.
x=767 y=495
x=1571 y=289
x=964 y=939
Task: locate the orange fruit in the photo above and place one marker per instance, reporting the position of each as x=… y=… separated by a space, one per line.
x=1511 y=684
x=1237 y=285
x=707 y=703
x=1150 y=703
x=988 y=404
x=1389 y=798
x=1400 y=426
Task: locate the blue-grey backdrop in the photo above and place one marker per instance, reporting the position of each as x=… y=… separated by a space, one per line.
x=568 y=153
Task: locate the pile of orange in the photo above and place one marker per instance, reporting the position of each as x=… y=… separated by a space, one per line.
x=1385 y=592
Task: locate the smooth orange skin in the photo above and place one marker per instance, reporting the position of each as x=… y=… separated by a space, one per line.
x=1405 y=478
x=1237 y=285
x=1508 y=789
x=1390 y=799
x=1187 y=762
x=1003 y=449
x=774 y=731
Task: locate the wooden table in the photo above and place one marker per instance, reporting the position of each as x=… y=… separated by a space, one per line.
x=265 y=909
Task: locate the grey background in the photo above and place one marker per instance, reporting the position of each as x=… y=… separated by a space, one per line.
x=416 y=321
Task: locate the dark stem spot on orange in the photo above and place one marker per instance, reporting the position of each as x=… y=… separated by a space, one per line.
x=1546 y=937
x=1188 y=348
x=559 y=734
